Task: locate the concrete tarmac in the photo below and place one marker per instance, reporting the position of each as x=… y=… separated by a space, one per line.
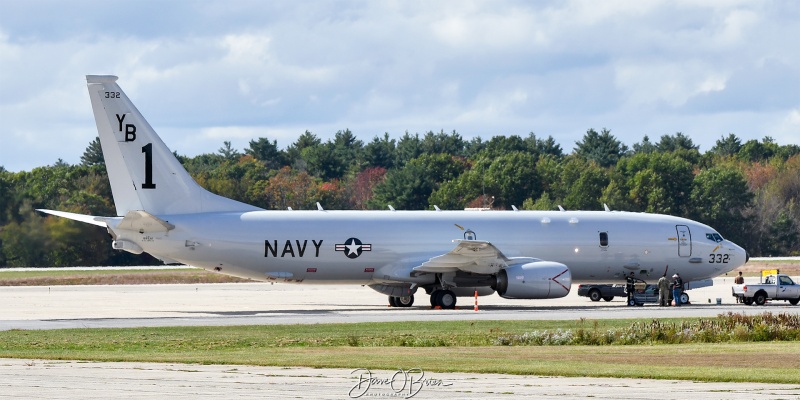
x=134 y=380
x=122 y=306
x=260 y=303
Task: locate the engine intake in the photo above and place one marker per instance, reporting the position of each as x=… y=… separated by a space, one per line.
x=535 y=280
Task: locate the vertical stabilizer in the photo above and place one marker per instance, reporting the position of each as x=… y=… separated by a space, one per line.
x=144 y=174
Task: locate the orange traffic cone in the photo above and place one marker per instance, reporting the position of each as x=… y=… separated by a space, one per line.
x=476 y=300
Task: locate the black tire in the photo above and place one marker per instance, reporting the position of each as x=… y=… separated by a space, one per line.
x=434 y=294
x=446 y=299
x=594 y=295
x=748 y=301
x=631 y=302
x=794 y=301
x=760 y=298
x=608 y=298
x=404 y=301
x=392 y=301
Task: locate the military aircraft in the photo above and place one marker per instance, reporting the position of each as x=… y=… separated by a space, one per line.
x=161 y=210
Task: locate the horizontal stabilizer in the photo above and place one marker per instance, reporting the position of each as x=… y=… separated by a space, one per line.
x=89 y=219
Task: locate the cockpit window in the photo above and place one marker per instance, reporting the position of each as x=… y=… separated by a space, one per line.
x=714 y=236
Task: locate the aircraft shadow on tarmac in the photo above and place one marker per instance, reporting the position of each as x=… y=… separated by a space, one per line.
x=488 y=308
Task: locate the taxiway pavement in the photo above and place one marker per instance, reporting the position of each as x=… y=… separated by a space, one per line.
x=49 y=379
x=260 y=303
x=122 y=306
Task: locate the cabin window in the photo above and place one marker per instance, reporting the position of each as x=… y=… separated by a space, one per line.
x=470 y=235
x=714 y=237
x=603 y=239
x=785 y=280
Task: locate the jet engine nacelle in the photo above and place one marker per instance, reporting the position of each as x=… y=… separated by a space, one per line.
x=535 y=280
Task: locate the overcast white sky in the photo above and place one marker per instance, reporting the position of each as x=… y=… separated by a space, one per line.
x=205 y=71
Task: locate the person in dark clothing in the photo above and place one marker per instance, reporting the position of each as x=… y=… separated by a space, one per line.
x=677 y=289
x=630 y=286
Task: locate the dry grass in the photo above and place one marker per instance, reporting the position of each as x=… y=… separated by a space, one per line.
x=753 y=268
x=113 y=277
x=751 y=362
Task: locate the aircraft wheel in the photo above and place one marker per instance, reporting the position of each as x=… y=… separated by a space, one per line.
x=447 y=299
x=748 y=301
x=404 y=301
x=392 y=301
x=594 y=295
x=608 y=298
x=760 y=299
x=434 y=295
x=684 y=298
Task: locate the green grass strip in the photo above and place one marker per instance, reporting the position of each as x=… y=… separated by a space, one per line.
x=449 y=346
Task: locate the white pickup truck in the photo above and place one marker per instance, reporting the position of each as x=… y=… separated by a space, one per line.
x=775 y=287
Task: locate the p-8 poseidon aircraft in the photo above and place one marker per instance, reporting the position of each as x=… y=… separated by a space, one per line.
x=161 y=210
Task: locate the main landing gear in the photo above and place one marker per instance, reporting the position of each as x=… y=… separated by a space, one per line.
x=401 y=301
x=444 y=299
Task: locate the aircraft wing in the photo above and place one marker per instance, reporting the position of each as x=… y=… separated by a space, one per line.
x=475 y=256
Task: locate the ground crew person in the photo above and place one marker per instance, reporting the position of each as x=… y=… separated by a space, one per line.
x=630 y=286
x=739 y=280
x=663 y=290
x=677 y=288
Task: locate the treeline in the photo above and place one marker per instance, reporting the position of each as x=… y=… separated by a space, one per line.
x=747 y=190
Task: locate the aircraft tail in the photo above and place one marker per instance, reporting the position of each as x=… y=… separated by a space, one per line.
x=144 y=173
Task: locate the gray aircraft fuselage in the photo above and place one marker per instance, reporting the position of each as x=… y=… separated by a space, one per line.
x=309 y=246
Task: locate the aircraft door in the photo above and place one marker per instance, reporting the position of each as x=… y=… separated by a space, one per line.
x=684 y=241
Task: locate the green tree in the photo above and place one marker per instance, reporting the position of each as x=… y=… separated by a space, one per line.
x=228 y=152
x=719 y=198
x=380 y=152
x=411 y=186
x=753 y=150
x=645 y=146
x=509 y=178
x=582 y=183
x=436 y=143
x=655 y=182
x=266 y=152
x=408 y=148
x=501 y=145
x=294 y=153
x=676 y=142
x=93 y=155
x=542 y=147
x=602 y=148
x=727 y=146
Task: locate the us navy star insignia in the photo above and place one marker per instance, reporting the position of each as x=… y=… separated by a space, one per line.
x=353 y=247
